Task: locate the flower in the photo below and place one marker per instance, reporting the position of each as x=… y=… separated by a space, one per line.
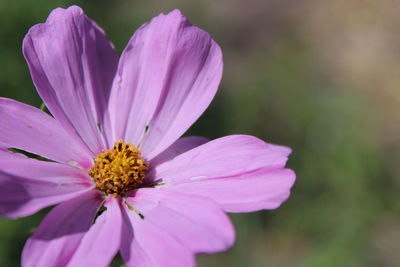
x=122 y=177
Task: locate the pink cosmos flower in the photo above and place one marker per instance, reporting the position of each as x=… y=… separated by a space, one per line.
x=125 y=180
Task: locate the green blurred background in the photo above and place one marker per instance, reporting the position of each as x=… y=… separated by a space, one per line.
x=319 y=76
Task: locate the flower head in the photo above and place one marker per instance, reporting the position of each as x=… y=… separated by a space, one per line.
x=122 y=176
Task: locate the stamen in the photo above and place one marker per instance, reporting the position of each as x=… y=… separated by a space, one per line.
x=119 y=170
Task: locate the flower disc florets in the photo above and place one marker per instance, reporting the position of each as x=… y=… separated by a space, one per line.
x=119 y=170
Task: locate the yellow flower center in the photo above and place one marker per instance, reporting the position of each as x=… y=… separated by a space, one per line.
x=119 y=170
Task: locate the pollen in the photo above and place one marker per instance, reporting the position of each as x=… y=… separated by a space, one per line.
x=118 y=170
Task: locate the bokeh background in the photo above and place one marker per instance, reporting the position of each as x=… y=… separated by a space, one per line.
x=319 y=76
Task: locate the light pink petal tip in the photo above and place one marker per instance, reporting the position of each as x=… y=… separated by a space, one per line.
x=241 y=173
x=61 y=231
x=28 y=185
x=72 y=64
x=167 y=76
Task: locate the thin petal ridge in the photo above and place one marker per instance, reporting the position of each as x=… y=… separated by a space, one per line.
x=167 y=76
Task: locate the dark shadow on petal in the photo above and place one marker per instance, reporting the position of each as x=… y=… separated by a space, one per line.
x=127 y=236
x=12 y=194
x=70 y=217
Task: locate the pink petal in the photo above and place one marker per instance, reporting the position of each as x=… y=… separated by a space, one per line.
x=72 y=64
x=30 y=129
x=102 y=242
x=28 y=185
x=180 y=146
x=7 y=154
x=196 y=222
x=261 y=189
x=59 y=234
x=145 y=244
x=241 y=173
x=167 y=76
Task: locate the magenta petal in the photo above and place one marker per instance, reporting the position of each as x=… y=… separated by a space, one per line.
x=102 y=242
x=145 y=244
x=28 y=185
x=167 y=76
x=72 y=64
x=196 y=222
x=241 y=173
x=60 y=233
x=30 y=129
